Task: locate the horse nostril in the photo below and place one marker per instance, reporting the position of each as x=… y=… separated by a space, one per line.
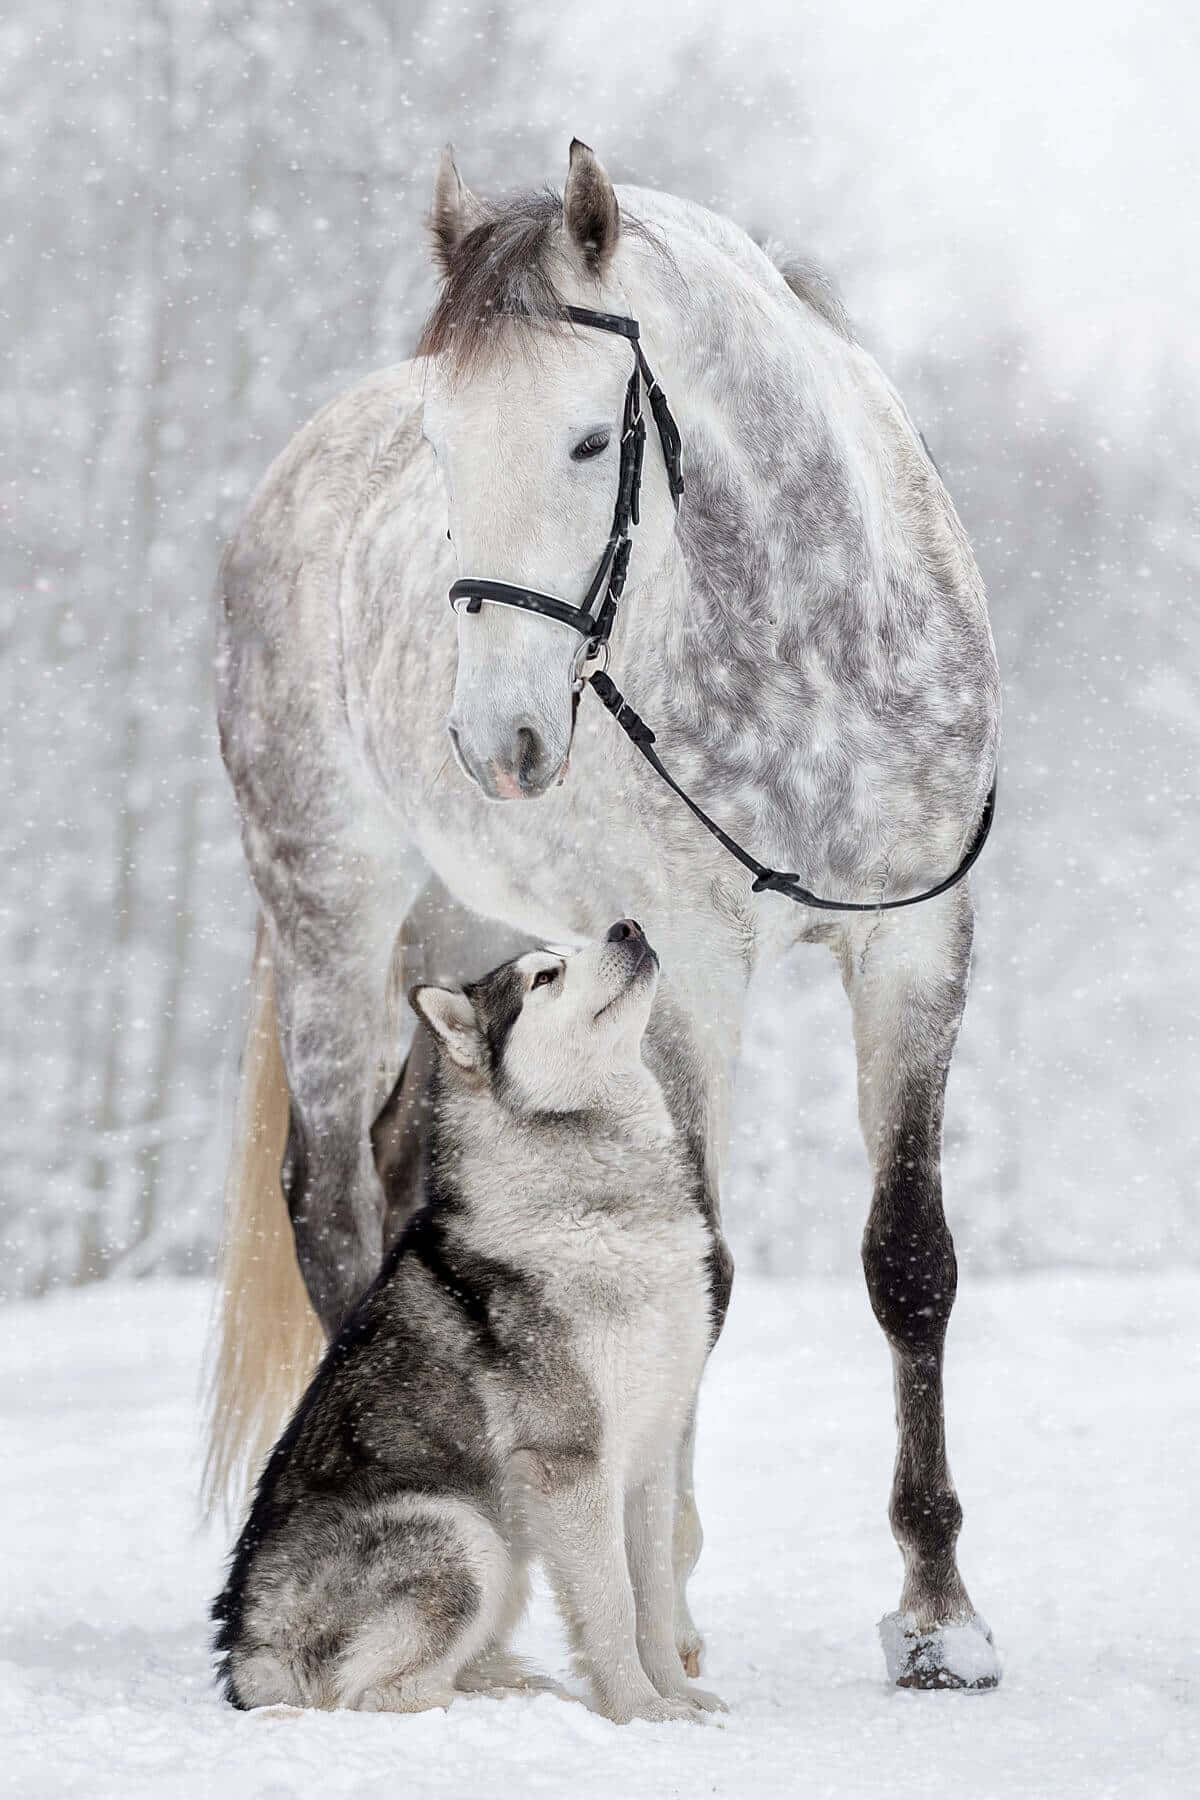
x=623 y=929
x=528 y=757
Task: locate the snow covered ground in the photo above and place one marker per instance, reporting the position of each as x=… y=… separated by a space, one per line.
x=1074 y=1435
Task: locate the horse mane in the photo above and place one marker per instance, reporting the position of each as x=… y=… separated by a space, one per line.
x=504 y=269
x=812 y=286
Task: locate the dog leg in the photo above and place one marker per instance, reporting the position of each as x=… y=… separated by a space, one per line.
x=687 y=1540
x=580 y=1529
x=376 y=1609
x=651 y=1528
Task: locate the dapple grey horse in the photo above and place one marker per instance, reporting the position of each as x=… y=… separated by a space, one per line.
x=808 y=636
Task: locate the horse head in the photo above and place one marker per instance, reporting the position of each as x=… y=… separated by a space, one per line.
x=525 y=414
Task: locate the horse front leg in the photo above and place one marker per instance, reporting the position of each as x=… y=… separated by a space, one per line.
x=331 y=990
x=906 y=975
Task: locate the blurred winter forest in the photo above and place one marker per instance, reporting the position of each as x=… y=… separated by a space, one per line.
x=213 y=223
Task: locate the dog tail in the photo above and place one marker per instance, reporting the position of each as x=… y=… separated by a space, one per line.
x=266 y=1338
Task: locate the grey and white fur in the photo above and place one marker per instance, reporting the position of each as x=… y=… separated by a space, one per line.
x=516 y=1383
x=809 y=639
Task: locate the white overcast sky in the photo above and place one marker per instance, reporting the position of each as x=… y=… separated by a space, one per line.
x=1040 y=150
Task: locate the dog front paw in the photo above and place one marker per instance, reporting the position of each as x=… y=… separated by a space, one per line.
x=656 y=1709
x=701 y=1699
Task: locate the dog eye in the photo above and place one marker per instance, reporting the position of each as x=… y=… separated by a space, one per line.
x=544 y=977
x=593 y=445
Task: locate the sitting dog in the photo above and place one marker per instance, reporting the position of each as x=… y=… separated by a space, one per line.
x=515 y=1384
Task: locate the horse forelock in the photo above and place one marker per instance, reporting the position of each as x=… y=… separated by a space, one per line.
x=503 y=279
x=501 y=270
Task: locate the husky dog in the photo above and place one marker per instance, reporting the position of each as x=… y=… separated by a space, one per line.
x=517 y=1381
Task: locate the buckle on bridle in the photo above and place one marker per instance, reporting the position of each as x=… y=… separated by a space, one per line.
x=590 y=650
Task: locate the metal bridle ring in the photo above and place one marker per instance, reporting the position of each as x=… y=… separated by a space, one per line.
x=590 y=650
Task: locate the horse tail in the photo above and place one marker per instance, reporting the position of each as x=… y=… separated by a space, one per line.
x=266 y=1338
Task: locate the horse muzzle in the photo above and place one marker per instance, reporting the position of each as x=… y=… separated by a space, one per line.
x=519 y=764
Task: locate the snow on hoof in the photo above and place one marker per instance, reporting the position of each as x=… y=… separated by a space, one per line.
x=945 y=1656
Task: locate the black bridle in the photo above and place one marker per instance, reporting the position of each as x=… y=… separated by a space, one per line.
x=595 y=627
x=470 y=592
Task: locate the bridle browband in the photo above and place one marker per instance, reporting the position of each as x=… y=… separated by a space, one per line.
x=470 y=592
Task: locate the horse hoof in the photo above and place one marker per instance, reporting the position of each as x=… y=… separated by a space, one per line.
x=943 y=1656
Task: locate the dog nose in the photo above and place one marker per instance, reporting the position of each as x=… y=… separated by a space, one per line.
x=624 y=928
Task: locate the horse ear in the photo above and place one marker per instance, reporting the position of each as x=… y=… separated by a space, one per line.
x=454 y=211
x=451 y=1017
x=590 y=210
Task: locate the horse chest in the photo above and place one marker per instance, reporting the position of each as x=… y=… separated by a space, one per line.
x=573 y=862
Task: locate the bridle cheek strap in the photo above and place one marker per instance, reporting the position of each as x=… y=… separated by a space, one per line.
x=595 y=626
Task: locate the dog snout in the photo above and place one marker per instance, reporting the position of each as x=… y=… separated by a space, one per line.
x=636 y=950
x=623 y=929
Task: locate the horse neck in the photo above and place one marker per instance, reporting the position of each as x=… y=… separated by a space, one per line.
x=801 y=465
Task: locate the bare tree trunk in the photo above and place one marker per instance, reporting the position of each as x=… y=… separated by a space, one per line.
x=155 y=61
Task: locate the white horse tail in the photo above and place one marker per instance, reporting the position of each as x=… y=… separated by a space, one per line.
x=266 y=1338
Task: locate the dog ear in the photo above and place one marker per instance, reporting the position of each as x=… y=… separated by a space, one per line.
x=454 y=211
x=451 y=1017
x=590 y=210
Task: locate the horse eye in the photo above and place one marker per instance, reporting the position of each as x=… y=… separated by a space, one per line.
x=544 y=977
x=593 y=445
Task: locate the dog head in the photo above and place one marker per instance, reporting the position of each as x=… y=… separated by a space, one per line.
x=552 y=1031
